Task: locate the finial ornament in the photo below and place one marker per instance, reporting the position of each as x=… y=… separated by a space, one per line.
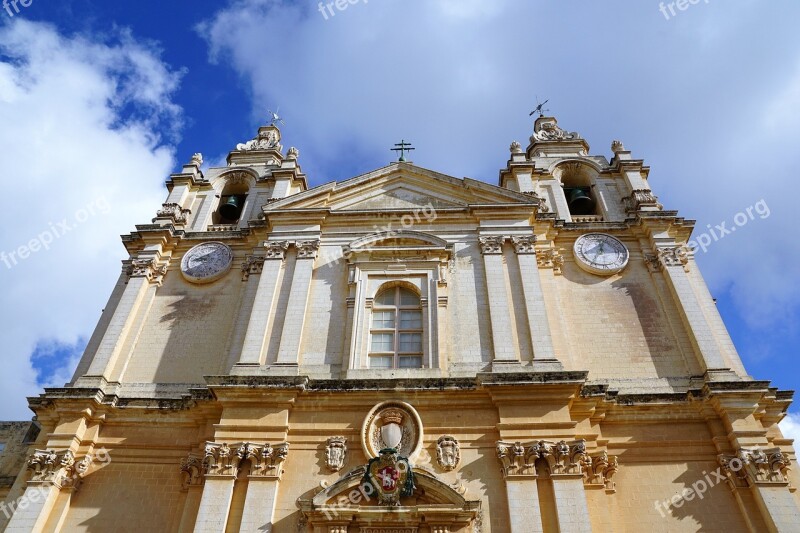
x=402 y=147
x=617 y=147
x=197 y=160
x=516 y=147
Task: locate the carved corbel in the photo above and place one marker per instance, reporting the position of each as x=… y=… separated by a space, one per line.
x=253 y=265
x=756 y=467
x=550 y=258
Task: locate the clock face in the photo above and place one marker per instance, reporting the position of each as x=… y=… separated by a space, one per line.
x=598 y=253
x=207 y=262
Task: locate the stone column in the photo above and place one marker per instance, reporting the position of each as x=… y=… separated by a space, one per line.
x=766 y=474
x=262 y=490
x=256 y=336
x=221 y=468
x=521 y=490
x=538 y=322
x=294 y=320
x=571 y=505
x=52 y=472
x=673 y=261
x=505 y=352
x=142 y=274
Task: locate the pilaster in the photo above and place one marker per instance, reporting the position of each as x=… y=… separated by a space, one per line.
x=505 y=353
x=294 y=321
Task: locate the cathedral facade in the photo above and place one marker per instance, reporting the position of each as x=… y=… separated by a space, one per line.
x=409 y=352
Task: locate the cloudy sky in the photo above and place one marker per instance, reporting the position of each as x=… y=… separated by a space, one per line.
x=99 y=102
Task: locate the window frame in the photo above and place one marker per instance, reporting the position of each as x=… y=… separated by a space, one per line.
x=397 y=331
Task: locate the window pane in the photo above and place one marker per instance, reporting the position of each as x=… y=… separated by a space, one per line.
x=381 y=362
x=382 y=342
x=385 y=298
x=410 y=342
x=408 y=298
x=410 y=320
x=411 y=362
x=383 y=319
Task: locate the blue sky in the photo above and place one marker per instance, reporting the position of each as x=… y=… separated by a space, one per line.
x=100 y=101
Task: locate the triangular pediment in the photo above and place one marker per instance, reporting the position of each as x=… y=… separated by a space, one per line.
x=401 y=186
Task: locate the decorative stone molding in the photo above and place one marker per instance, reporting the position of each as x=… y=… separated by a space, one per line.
x=192 y=471
x=440 y=529
x=550 y=258
x=563 y=458
x=173 y=212
x=336 y=453
x=543 y=208
x=293 y=153
x=448 y=452
x=252 y=265
x=641 y=198
x=58 y=468
x=617 y=147
x=395 y=425
x=492 y=245
x=516 y=147
x=756 y=467
x=524 y=245
x=145 y=268
x=599 y=470
x=225 y=460
x=548 y=130
x=197 y=160
x=238 y=177
x=307 y=249
x=276 y=249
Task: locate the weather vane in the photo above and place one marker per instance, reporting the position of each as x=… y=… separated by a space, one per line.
x=402 y=147
x=539 y=108
x=275 y=118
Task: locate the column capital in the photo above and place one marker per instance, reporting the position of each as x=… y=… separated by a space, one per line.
x=307 y=249
x=253 y=265
x=149 y=269
x=276 y=250
x=224 y=460
x=59 y=469
x=550 y=258
x=524 y=245
x=668 y=256
x=565 y=458
x=492 y=245
x=754 y=466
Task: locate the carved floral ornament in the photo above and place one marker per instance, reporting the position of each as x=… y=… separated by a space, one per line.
x=226 y=460
x=58 y=468
x=563 y=458
x=493 y=244
x=267 y=139
x=756 y=467
x=548 y=130
x=640 y=198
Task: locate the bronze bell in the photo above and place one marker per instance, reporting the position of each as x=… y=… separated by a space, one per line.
x=231 y=210
x=580 y=203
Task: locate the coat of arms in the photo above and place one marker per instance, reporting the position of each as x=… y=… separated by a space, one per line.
x=391 y=477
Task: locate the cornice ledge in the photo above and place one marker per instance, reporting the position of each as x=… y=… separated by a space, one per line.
x=531 y=378
x=393 y=384
x=258 y=382
x=714 y=388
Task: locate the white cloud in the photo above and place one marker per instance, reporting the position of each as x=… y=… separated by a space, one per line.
x=688 y=95
x=790 y=427
x=79 y=143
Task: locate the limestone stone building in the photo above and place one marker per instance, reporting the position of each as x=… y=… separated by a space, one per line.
x=406 y=351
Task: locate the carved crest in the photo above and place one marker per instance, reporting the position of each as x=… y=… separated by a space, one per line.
x=336 y=453
x=448 y=452
x=391 y=477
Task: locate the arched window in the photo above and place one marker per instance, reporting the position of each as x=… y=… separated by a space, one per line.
x=396 y=332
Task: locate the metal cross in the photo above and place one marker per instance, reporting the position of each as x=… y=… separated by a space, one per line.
x=539 y=108
x=402 y=147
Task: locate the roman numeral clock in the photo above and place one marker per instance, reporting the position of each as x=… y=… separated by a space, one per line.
x=601 y=254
